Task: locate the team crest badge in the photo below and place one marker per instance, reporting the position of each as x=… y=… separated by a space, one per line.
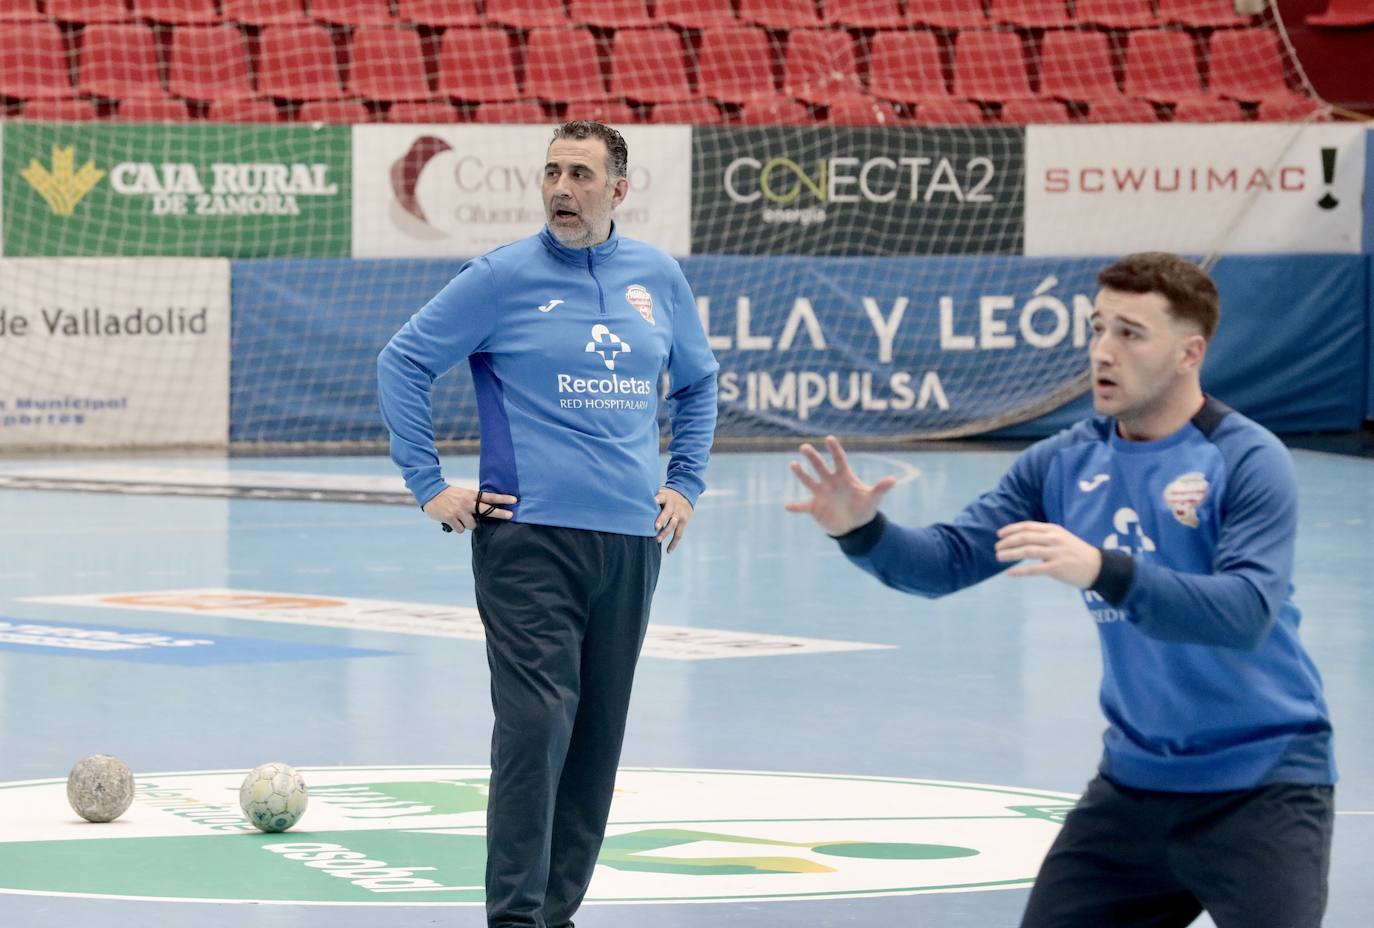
x=638 y=297
x=1184 y=495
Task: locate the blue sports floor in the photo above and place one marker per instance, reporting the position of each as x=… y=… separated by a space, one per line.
x=805 y=748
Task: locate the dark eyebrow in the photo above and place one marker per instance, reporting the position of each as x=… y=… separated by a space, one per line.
x=572 y=165
x=1127 y=321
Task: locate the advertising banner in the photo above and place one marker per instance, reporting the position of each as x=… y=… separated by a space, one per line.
x=935 y=347
x=73 y=189
x=858 y=347
x=438 y=191
x=857 y=191
x=113 y=352
x=1199 y=189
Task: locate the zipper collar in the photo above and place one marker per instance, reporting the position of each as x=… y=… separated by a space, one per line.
x=581 y=257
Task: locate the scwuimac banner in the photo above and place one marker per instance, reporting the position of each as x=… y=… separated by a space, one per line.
x=897 y=347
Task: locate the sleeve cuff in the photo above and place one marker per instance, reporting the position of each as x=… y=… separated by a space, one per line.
x=1116 y=576
x=691 y=494
x=860 y=541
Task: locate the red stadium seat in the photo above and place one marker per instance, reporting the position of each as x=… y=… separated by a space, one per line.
x=820 y=66
x=243 y=111
x=614 y=14
x=778 y=110
x=1076 y=66
x=692 y=113
x=867 y=14
x=151 y=109
x=990 y=66
x=333 y=112
x=1200 y=13
x=265 y=12
x=1028 y=112
x=1247 y=64
x=423 y=112
x=611 y=112
x=33 y=61
x=89 y=11
x=780 y=14
x=860 y=110
x=439 y=12
x=1162 y=66
x=562 y=64
x=527 y=14
x=60 y=110
x=352 y=12
x=1116 y=14
x=388 y=64
x=696 y=14
x=1343 y=14
x=298 y=63
x=118 y=60
x=949 y=113
x=1208 y=109
x=905 y=66
x=1034 y=14
x=1121 y=109
x=648 y=65
x=476 y=64
x=518 y=111
x=209 y=63
x=775 y=111
x=177 y=12
x=946 y=14
x=735 y=64
x=1292 y=109
x=18 y=11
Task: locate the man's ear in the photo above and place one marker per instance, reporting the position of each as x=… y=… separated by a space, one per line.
x=1194 y=352
x=622 y=187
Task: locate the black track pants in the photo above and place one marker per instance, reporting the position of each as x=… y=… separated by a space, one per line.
x=565 y=612
x=1130 y=858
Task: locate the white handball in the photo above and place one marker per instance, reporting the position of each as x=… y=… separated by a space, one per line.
x=273 y=797
x=100 y=788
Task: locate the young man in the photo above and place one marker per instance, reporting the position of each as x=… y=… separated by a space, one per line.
x=567 y=334
x=1176 y=517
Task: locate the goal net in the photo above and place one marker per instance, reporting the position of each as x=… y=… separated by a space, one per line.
x=215 y=214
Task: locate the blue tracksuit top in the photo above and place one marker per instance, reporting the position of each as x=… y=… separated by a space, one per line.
x=567 y=347
x=1206 y=686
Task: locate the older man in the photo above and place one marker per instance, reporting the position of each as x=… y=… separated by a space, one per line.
x=567 y=333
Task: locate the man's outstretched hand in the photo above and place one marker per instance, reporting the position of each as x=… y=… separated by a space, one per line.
x=840 y=502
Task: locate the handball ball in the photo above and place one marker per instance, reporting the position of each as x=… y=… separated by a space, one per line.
x=273 y=797
x=100 y=788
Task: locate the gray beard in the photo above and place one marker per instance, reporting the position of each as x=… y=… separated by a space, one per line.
x=585 y=239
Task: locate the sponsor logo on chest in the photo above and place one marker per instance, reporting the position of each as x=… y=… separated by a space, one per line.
x=1184 y=495
x=638 y=296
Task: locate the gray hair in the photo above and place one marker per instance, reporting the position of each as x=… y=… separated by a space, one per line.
x=617 y=152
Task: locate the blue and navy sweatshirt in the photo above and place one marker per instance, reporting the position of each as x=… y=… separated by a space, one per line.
x=1206 y=686
x=567 y=348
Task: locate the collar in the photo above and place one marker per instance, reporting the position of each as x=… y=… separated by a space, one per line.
x=600 y=254
x=1206 y=420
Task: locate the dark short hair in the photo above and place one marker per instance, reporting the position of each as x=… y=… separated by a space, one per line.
x=617 y=152
x=1191 y=294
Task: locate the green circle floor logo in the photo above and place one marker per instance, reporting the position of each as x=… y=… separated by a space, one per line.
x=416 y=836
